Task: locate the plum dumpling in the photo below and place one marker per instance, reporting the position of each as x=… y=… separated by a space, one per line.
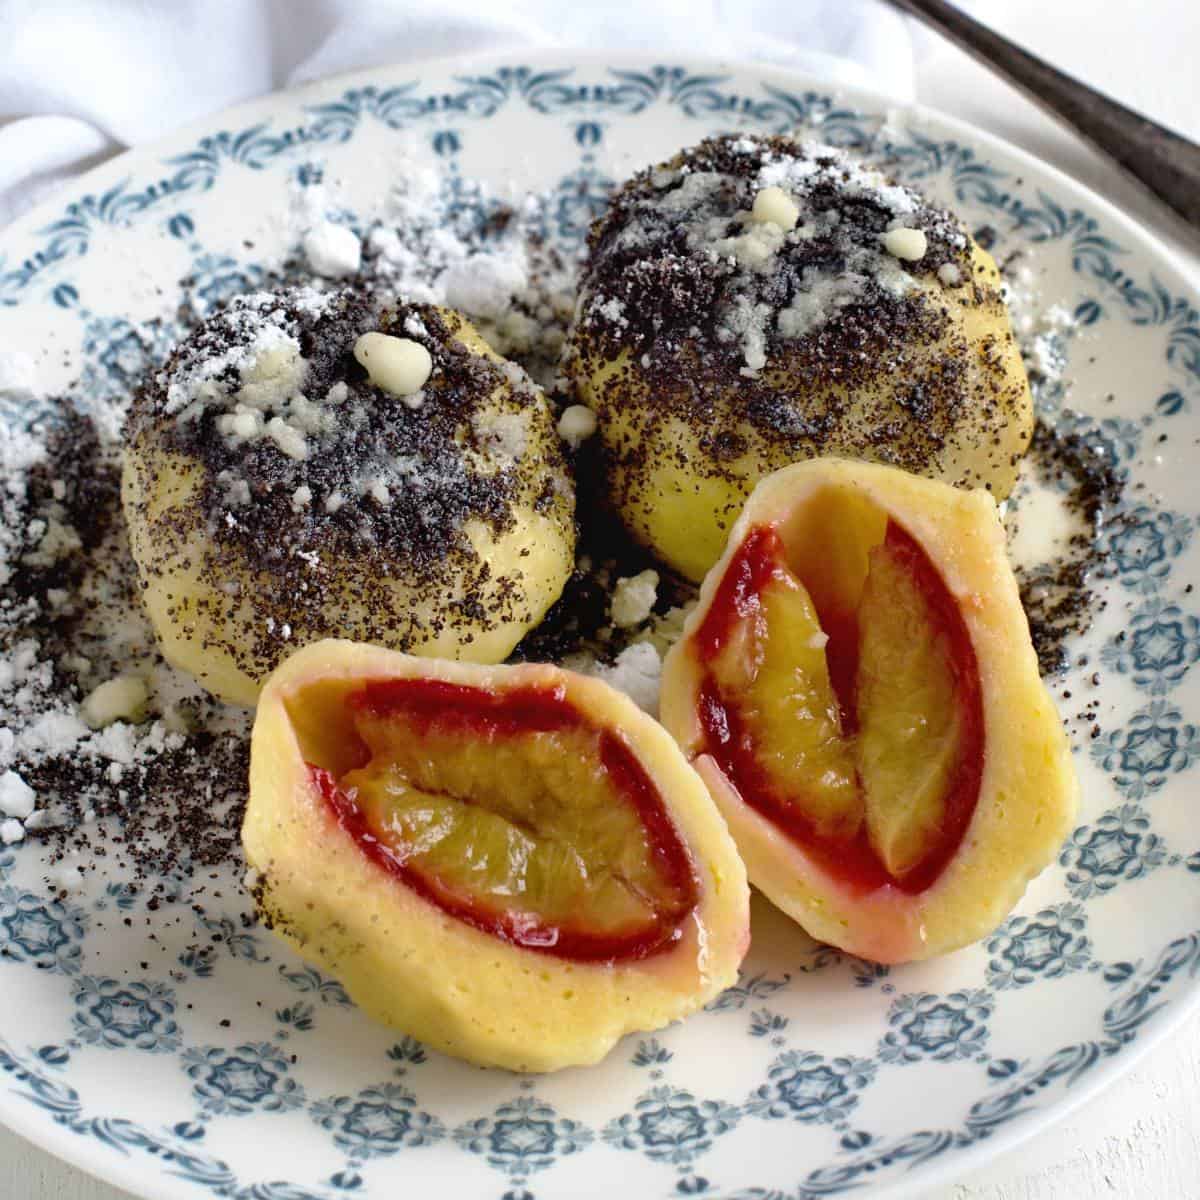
x=308 y=466
x=757 y=301
x=858 y=688
x=514 y=864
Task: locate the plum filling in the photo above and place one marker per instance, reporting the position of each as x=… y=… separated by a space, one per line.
x=842 y=699
x=510 y=811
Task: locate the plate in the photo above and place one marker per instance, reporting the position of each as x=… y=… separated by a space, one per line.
x=241 y=1072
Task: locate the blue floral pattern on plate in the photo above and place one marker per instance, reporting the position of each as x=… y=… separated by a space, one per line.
x=151 y=1069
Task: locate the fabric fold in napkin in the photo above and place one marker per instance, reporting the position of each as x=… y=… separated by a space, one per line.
x=82 y=79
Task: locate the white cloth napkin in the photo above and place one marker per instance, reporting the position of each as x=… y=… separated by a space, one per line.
x=81 y=79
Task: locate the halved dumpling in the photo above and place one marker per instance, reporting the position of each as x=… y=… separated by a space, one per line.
x=858 y=689
x=514 y=864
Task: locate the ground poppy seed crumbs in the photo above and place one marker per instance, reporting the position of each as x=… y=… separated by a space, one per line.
x=709 y=329
x=132 y=801
x=1068 y=492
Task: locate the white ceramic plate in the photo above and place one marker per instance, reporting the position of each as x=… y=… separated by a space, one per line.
x=242 y=1073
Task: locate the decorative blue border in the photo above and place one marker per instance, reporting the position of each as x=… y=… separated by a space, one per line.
x=669 y=1125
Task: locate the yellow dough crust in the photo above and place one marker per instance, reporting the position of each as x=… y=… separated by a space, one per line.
x=458 y=569
x=408 y=963
x=929 y=379
x=1029 y=791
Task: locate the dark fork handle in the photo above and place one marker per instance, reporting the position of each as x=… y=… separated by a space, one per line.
x=1162 y=161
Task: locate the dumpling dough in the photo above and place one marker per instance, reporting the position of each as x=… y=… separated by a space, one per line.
x=275 y=495
x=757 y=301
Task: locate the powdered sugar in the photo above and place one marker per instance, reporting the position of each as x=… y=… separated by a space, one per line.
x=746 y=322
x=19 y=451
x=773 y=237
x=1046 y=350
x=633 y=598
x=818 y=302
x=636 y=671
x=16 y=796
x=254 y=376
x=260 y=348
x=483 y=284
x=69 y=622
x=430 y=246
x=332 y=250
x=1041 y=330
x=18 y=375
x=504 y=435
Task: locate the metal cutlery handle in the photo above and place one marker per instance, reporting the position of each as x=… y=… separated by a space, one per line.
x=1162 y=161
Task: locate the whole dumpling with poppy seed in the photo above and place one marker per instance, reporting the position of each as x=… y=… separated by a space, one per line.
x=757 y=301
x=306 y=466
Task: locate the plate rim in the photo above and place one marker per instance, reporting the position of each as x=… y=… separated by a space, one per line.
x=130 y=1174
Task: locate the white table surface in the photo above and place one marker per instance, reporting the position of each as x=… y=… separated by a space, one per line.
x=1140 y=1138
